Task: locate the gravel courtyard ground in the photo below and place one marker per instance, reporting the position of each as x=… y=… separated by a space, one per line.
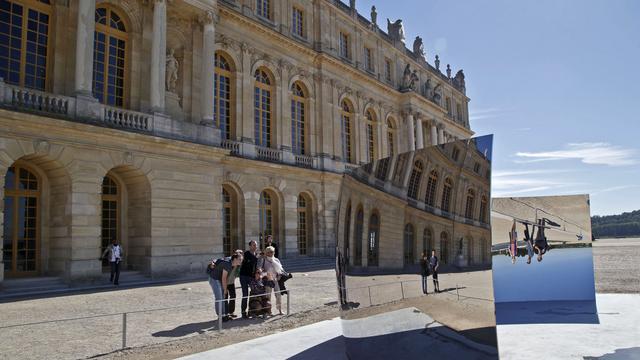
x=182 y=320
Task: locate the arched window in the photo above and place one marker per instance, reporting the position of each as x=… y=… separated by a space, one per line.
x=262 y=108
x=371 y=136
x=304 y=224
x=427 y=241
x=483 y=209
x=391 y=135
x=471 y=196
x=444 y=247
x=20 y=247
x=347 y=228
x=347 y=137
x=223 y=92
x=298 y=119
x=24 y=42
x=414 y=180
x=110 y=214
x=432 y=184
x=110 y=60
x=373 y=240
x=263 y=8
x=267 y=209
x=230 y=240
x=409 y=241
x=358 y=237
x=446 y=194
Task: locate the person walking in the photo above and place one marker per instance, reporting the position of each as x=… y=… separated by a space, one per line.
x=115 y=254
x=434 y=264
x=218 y=271
x=424 y=270
x=273 y=268
x=247 y=273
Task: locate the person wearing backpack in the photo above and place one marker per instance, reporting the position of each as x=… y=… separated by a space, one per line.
x=219 y=271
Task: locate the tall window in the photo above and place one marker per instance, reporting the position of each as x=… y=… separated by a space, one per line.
x=24 y=42
x=471 y=196
x=298 y=119
x=304 y=224
x=110 y=58
x=347 y=228
x=409 y=242
x=373 y=240
x=297 y=22
x=21 y=211
x=446 y=194
x=414 y=180
x=455 y=153
x=358 y=237
x=344 y=46
x=427 y=241
x=266 y=217
x=459 y=112
x=263 y=8
x=387 y=69
x=371 y=136
x=432 y=184
x=347 y=137
x=222 y=106
x=401 y=163
x=391 y=135
x=262 y=108
x=110 y=210
x=448 y=105
x=368 y=59
x=444 y=247
x=483 y=209
x=229 y=221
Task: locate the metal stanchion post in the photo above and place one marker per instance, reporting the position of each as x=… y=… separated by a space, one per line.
x=124 y=330
x=370 y=303
x=288 y=302
x=457 y=292
x=402 y=288
x=219 y=315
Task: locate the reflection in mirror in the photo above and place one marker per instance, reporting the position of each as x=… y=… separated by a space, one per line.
x=542 y=261
x=413 y=256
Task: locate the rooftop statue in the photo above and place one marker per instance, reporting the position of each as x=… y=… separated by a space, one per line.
x=395 y=30
x=458 y=80
x=374 y=16
x=418 y=47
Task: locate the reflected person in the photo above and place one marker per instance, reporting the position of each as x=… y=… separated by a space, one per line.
x=424 y=271
x=434 y=264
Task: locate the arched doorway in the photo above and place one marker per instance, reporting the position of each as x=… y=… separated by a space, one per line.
x=427 y=241
x=305 y=224
x=444 y=247
x=20 y=246
x=110 y=222
x=409 y=241
x=373 y=240
x=269 y=219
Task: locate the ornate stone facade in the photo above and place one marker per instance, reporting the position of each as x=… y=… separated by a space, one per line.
x=194 y=183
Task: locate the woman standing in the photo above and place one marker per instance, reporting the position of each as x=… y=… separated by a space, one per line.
x=274 y=269
x=424 y=270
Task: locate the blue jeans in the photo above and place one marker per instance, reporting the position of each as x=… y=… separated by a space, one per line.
x=424 y=284
x=218 y=297
x=244 y=283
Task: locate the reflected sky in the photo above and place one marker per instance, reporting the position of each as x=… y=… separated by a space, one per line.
x=563 y=274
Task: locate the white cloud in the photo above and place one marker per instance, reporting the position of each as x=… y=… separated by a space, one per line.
x=488 y=113
x=533 y=182
x=615 y=188
x=589 y=153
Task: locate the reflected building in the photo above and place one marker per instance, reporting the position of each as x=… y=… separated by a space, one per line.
x=437 y=198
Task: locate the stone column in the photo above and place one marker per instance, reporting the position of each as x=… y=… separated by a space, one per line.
x=419 y=134
x=84 y=47
x=441 y=135
x=434 y=133
x=208 y=68
x=158 y=55
x=411 y=132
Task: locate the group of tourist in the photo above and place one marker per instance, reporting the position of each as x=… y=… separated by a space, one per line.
x=429 y=266
x=538 y=246
x=262 y=273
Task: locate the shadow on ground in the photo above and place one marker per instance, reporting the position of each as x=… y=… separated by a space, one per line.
x=202 y=327
x=547 y=312
x=619 y=354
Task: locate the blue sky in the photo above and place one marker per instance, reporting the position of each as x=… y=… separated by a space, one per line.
x=557 y=82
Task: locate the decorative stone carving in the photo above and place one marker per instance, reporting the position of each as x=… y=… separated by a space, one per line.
x=127 y=158
x=374 y=16
x=448 y=71
x=413 y=84
x=437 y=62
x=172 y=66
x=42 y=147
x=409 y=79
x=437 y=94
x=458 y=80
x=418 y=48
x=395 y=30
x=428 y=91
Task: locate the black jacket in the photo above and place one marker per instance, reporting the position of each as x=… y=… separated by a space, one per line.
x=248 y=267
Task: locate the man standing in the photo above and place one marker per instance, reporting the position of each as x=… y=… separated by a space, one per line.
x=434 y=264
x=219 y=271
x=115 y=257
x=274 y=245
x=247 y=272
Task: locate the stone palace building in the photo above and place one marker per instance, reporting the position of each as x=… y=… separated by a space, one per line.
x=436 y=198
x=186 y=128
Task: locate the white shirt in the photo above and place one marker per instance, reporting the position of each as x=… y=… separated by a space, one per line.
x=115 y=253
